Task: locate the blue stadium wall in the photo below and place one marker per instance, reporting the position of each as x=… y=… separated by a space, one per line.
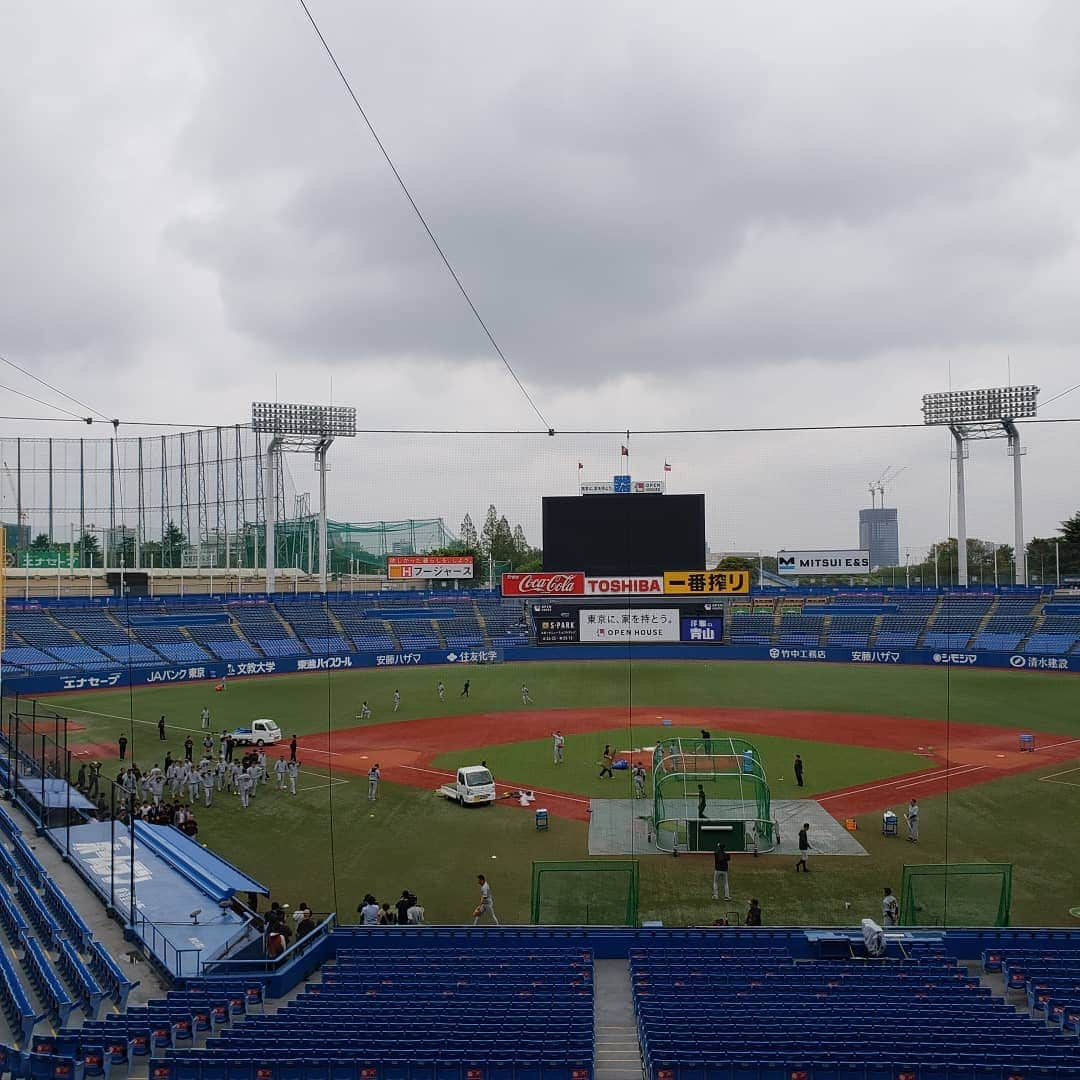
x=116 y=677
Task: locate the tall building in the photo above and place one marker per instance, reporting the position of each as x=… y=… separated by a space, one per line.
x=879 y=533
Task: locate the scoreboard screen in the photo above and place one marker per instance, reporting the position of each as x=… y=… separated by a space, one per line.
x=568 y=622
x=624 y=534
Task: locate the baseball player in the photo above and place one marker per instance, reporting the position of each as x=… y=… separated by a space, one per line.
x=557 y=745
x=264 y=772
x=525 y=699
x=243 y=782
x=205 y=717
x=206 y=777
x=397 y=700
x=639 y=780
x=365 y=710
x=373 y=778
x=254 y=775
x=912 y=816
x=487 y=904
x=280 y=769
x=440 y=690
x=194 y=784
x=221 y=770
x=294 y=769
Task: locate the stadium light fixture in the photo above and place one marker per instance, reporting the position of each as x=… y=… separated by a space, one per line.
x=303 y=429
x=984 y=414
x=286 y=418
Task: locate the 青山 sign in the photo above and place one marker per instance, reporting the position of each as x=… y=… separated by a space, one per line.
x=848 y=561
x=429 y=566
x=706 y=582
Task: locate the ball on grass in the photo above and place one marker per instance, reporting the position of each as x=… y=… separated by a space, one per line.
x=494 y=856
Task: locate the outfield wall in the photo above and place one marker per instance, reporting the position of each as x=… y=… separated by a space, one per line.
x=113 y=678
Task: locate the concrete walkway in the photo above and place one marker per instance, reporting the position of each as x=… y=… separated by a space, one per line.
x=618 y=1051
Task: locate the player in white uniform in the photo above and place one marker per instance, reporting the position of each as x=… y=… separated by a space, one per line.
x=205 y=715
x=294 y=770
x=222 y=771
x=639 y=780
x=557 y=745
x=525 y=699
x=243 y=782
x=373 y=778
x=487 y=904
x=280 y=769
x=913 y=820
x=264 y=772
x=206 y=776
x=440 y=690
x=365 y=710
x=194 y=784
x=254 y=775
x=397 y=700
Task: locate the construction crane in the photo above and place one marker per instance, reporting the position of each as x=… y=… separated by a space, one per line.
x=877 y=487
x=23 y=516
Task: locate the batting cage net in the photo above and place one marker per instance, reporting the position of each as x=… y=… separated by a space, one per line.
x=708 y=791
x=599 y=892
x=956 y=894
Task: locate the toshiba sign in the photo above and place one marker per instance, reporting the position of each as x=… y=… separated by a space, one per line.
x=605 y=586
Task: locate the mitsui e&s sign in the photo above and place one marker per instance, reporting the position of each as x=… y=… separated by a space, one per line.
x=845 y=561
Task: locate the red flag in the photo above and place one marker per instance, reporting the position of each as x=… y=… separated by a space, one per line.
x=580 y=466
x=624 y=450
x=667 y=467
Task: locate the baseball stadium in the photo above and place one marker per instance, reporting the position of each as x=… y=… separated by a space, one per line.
x=442 y=632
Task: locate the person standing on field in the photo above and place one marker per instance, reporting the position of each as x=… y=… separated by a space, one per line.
x=525 y=699
x=373 y=778
x=280 y=769
x=161 y=728
x=292 y=748
x=702 y=802
x=721 y=862
x=487 y=904
x=465 y=689
x=397 y=700
x=804 y=848
x=890 y=909
x=121 y=744
x=557 y=745
x=638 y=774
x=365 y=711
x=912 y=816
x=205 y=717
x=798 y=767
x=440 y=689
x=294 y=771
x=605 y=764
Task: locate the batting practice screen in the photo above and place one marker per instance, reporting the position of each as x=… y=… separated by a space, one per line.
x=602 y=892
x=624 y=534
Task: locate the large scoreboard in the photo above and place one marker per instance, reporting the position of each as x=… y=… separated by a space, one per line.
x=567 y=622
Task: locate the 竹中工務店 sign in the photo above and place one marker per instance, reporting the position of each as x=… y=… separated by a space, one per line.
x=841 y=561
x=429 y=566
x=706 y=582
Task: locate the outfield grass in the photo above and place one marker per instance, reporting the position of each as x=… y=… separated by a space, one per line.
x=420 y=842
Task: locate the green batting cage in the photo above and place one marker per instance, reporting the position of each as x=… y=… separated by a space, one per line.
x=594 y=892
x=956 y=894
x=710 y=791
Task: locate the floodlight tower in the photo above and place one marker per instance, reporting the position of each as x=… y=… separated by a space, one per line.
x=300 y=429
x=984 y=414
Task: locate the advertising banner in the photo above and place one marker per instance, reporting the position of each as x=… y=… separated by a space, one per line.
x=628 y=624
x=638 y=586
x=544 y=583
x=705 y=630
x=845 y=561
x=706 y=582
x=415 y=567
x=597 y=488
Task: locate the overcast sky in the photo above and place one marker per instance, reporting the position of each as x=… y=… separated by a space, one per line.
x=679 y=215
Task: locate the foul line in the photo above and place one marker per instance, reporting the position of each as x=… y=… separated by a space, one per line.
x=937 y=774
x=1052 y=746
x=1052 y=778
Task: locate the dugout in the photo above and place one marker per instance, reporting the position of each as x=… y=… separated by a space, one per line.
x=728 y=774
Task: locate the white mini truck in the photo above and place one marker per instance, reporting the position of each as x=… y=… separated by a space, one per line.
x=474 y=786
x=261 y=733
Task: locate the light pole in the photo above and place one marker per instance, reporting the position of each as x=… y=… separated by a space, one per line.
x=300 y=429
x=983 y=414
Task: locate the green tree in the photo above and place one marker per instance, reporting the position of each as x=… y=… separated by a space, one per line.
x=172 y=545
x=1070 y=529
x=467 y=534
x=150 y=553
x=89 y=549
x=739 y=562
x=41 y=542
x=489 y=531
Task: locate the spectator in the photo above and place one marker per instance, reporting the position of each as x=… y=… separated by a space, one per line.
x=405 y=901
x=387 y=917
x=369 y=911
x=305 y=926
x=415 y=914
x=302 y=912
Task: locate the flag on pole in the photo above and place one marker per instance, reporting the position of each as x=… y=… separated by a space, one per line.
x=667 y=467
x=624 y=451
x=580 y=466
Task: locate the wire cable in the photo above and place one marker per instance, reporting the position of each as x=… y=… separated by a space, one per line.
x=55 y=389
x=420 y=217
x=47 y=404
x=1043 y=404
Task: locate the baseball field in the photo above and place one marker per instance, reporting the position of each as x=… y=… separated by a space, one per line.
x=871 y=738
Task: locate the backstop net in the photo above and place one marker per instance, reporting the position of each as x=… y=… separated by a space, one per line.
x=597 y=892
x=956 y=894
x=710 y=791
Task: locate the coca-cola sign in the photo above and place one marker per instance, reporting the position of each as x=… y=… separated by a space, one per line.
x=544 y=583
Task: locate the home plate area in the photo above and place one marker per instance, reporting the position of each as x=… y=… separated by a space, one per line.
x=624 y=826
